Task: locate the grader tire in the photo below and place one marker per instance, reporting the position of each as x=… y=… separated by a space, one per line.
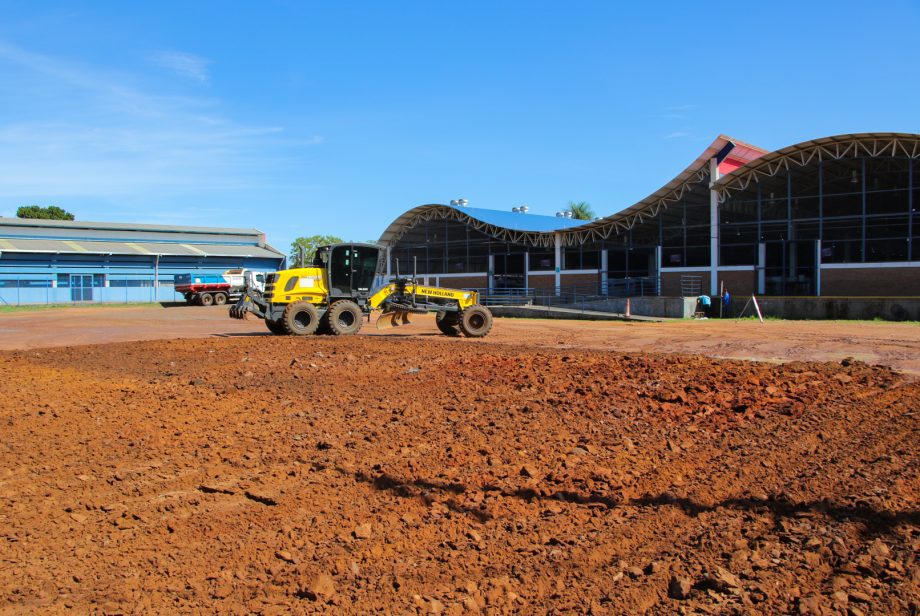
x=345 y=318
x=448 y=323
x=300 y=319
x=475 y=321
x=275 y=327
x=205 y=299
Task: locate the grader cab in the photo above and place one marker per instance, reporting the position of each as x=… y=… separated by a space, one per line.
x=335 y=295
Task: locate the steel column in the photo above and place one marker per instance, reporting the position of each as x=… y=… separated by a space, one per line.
x=713 y=229
x=558 y=242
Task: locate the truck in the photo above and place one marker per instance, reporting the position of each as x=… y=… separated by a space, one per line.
x=336 y=293
x=215 y=289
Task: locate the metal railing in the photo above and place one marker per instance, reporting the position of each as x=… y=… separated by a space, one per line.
x=570 y=295
x=691 y=286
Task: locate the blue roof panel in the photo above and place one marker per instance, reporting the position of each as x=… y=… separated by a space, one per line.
x=521 y=222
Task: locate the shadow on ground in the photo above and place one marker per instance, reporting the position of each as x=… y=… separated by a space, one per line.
x=876 y=521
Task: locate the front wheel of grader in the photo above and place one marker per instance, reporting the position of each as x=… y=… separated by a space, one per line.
x=475 y=321
x=300 y=319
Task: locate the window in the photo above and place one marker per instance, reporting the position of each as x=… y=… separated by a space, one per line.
x=542 y=261
x=842 y=187
x=578 y=258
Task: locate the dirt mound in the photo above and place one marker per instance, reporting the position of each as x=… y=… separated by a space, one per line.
x=273 y=475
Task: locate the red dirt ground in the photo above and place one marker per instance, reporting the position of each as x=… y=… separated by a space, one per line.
x=424 y=474
x=891 y=344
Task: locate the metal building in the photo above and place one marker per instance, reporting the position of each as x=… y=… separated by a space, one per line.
x=54 y=261
x=836 y=216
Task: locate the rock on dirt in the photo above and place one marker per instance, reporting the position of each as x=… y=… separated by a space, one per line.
x=679 y=587
x=320 y=588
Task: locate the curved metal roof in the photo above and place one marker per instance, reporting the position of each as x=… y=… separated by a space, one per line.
x=671 y=192
x=539 y=230
x=754 y=162
x=532 y=229
x=825 y=148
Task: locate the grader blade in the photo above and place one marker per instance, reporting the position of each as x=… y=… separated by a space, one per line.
x=393 y=319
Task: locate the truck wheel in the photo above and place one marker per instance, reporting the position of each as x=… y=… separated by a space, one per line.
x=475 y=321
x=275 y=327
x=220 y=299
x=448 y=323
x=300 y=319
x=345 y=318
x=205 y=299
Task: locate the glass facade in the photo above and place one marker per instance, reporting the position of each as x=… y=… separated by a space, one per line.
x=861 y=209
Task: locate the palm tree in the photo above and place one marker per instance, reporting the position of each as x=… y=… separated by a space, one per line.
x=581 y=210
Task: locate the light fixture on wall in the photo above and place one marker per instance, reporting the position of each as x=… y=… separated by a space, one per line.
x=854 y=179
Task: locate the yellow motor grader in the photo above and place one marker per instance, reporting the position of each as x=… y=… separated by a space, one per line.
x=335 y=296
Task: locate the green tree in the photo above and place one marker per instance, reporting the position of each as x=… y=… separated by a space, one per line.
x=309 y=246
x=581 y=210
x=52 y=212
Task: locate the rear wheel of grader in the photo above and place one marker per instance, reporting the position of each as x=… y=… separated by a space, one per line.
x=448 y=323
x=275 y=327
x=475 y=321
x=345 y=318
x=300 y=319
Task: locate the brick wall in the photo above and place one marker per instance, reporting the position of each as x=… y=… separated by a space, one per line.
x=871 y=282
x=670 y=282
x=738 y=283
x=580 y=280
x=541 y=281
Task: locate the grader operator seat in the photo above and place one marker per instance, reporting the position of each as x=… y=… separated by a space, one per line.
x=351 y=268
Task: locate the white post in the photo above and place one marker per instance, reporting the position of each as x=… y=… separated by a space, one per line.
x=156 y=280
x=491 y=273
x=388 y=263
x=713 y=228
x=527 y=270
x=761 y=268
x=604 y=273
x=658 y=250
x=818 y=268
x=558 y=241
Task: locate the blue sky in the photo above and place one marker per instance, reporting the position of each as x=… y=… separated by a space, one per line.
x=304 y=118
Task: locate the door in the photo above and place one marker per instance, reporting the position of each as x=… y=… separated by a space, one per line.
x=81 y=287
x=352 y=270
x=509 y=271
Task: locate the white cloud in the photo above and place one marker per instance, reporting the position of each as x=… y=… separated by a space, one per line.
x=185 y=64
x=78 y=130
x=678 y=134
